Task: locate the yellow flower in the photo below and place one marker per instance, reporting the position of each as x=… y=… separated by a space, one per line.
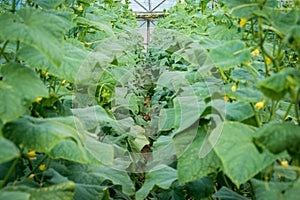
x=31 y=153
x=80 y=8
x=284 y=163
x=243 y=22
x=233 y=88
x=31 y=176
x=255 y=52
x=46 y=73
x=268 y=61
x=38 y=99
x=63 y=82
x=260 y=104
x=42 y=167
x=226 y=98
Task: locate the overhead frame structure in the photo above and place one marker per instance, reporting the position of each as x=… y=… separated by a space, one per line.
x=148 y=12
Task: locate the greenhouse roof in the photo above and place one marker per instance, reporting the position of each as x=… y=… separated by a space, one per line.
x=151 y=6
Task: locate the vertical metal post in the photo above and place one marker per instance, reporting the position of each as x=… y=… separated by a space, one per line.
x=148 y=33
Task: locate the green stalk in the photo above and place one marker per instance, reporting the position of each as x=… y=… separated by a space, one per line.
x=2 y=50
x=37 y=165
x=297 y=107
x=11 y=169
x=13 y=6
x=255 y=115
x=287 y=111
x=272 y=111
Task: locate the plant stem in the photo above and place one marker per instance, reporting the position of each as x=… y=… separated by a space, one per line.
x=287 y=111
x=297 y=107
x=37 y=165
x=272 y=111
x=11 y=169
x=13 y=6
x=4 y=45
x=255 y=115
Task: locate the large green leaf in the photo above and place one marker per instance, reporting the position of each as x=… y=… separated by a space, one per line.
x=276 y=190
x=191 y=167
x=59 y=137
x=200 y=188
x=238 y=111
x=93 y=175
x=276 y=86
x=63 y=191
x=41 y=134
x=277 y=137
x=41 y=30
x=162 y=178
x=19 y=86
x=90 y=192
x=8 y=150
x=73 y=58
x=226 y=194
x=233 y=143
x=230 y=54
x=14 y=195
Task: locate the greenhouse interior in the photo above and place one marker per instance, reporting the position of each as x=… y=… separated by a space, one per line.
x=149 y=99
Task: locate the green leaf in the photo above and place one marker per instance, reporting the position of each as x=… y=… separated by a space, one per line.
x=73 y=58
x=14 y=195
x=43 y=31
x=90 y=192
x=8 y=150
x=276 y=86
x=226 y=194
x=41 y=135
x=222 y=32
x=166 y=119
x=63 y=191
x=92 y=116
x=269 y=134
x=48 y=4
x=19 y=86
x=247 y=94
x=200 y=188
x=235 y=53
x=163 y=178
x=234 y=138
x=94 y=175
x=59 y=137
x=191 y=167
x=283 y=21
x=276 y=190
x=238 y=111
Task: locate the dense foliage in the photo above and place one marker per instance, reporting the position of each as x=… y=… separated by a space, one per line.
x=210 y=111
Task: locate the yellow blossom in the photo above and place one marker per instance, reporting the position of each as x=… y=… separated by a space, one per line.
x=233 y=88
x=243 y=22
x=42 y=167
x=63 y=82
x=268 y=61
x=80 y=8
x=31 y=153
x=39 y=99
x=31 y=176
x=260 y=104
x=255 y=52
x=226 y=98
x=46 y=73
x=284 y=163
